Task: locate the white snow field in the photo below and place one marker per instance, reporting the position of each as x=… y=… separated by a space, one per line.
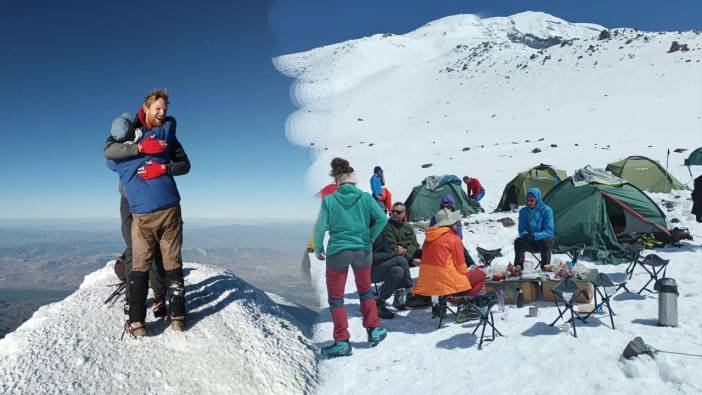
x=474 y=97
x=238 y=341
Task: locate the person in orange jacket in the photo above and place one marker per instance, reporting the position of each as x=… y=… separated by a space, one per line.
x=443 y=270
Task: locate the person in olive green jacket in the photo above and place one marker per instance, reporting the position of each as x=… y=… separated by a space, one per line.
x=400 y=235
x=347 y=215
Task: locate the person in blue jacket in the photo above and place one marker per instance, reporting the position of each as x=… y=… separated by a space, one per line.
x=377 y=181
x=535 y=229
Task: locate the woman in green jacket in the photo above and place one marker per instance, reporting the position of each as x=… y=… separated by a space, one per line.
x=353 y=220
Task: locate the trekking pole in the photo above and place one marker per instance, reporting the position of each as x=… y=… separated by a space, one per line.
x=116 y=292
x=678 y=353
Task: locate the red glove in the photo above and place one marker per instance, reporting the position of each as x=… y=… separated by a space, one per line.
x=151 y=170
x=152 y=146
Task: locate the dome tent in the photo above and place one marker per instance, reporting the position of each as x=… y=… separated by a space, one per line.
x=597 y=209
x=542 y=176
x=425 y=199
x=645 y=174
x=695 y=158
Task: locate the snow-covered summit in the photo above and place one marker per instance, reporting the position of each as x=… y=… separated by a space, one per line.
x=238 y=341
x=529 y=23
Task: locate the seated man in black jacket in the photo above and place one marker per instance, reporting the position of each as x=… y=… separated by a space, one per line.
x=393 y=271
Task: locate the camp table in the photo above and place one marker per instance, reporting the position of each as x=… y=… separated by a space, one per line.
x=582 y=281
x=512 y=286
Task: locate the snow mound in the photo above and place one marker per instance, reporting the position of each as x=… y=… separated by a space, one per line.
x=238 y=341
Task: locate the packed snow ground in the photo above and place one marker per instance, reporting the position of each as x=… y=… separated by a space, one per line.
x=238 y=341
x=467 y=96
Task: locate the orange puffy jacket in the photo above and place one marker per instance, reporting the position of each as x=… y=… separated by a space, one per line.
x=443 y=270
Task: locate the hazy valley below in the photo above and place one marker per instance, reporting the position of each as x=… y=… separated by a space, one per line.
x=42 y=263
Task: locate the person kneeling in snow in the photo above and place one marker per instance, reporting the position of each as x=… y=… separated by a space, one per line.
x=443 y=270
x=475 y=190
x=393 y=271
x=346 y=214
x=535 y=229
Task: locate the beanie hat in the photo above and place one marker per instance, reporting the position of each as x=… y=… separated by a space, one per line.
x=348 y=178
x=377 y=170
x=122 y=126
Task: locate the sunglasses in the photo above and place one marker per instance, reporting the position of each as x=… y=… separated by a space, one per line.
x=398 y=211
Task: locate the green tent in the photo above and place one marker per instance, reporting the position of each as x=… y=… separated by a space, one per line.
x=425 y=199
x=695 y=158
x=598 y=215
x=542 y=176
x=645 y=173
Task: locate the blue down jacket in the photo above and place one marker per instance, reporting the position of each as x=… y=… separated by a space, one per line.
x=148 y=196
x=538 y=220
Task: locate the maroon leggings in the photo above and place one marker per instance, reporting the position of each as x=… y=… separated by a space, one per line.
x=336 y=284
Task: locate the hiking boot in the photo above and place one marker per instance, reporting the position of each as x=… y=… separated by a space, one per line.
x=340 y=349
x=465 y=314
x=376 y=335
x=136 y=329
x=178 y=324
x=383 y=311
x=159 y=308
x=417 y=301
x=125 y=306
x=399 y=299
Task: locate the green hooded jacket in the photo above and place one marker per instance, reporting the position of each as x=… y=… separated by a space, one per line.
x=347 y=215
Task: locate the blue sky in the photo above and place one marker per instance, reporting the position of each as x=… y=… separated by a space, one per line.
x=68 y=68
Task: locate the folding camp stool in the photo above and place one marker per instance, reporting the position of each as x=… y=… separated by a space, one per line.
x=376 y=292
x=486 y=256
x=601 y=283
x=653 y=265
x=567 y=292
x=634 y=252
x=442 y=309
x=482 y=304
x=573 y=251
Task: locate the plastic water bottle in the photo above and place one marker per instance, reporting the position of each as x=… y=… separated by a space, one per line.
x=520 y=298
x=501 y=301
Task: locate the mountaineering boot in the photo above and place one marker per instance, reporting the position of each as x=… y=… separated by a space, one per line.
x=417 y=301
x=137 y=301
x=125 y=306
x=376 y=335
x=340 y=349
x=399 y=299
x=466 y=313
x=136 y=329
x=159 y=307
x=383 y=311
x=176 y=298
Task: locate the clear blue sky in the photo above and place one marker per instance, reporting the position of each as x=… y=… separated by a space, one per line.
x=68 y=68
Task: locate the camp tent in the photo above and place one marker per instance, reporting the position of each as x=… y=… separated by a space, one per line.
x=542 y=176
x=425 y=199
x=600 y=212
x=695 y=158
x=645 y=173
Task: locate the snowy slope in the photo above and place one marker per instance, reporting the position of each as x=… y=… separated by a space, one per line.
x=401 y=101
x=473 y=96
x=239 y=341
